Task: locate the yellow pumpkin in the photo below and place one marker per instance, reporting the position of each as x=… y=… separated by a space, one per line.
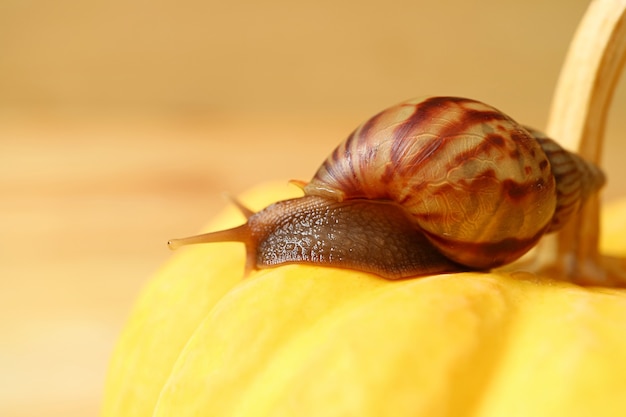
x=314 y=341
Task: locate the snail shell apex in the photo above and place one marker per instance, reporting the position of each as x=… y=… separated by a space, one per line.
x=575 y=179
x=439 y=185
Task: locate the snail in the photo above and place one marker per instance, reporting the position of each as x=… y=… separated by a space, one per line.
x=439 y=185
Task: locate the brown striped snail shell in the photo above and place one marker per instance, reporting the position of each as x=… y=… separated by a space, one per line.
x=439 y=185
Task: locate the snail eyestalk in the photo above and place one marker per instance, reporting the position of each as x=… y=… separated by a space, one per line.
x=236 y=234
x=247 y=213
x=241 y=234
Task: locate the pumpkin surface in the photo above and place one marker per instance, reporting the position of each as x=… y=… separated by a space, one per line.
x=315 y=341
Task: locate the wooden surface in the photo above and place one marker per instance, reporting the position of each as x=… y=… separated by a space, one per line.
x=96 y=176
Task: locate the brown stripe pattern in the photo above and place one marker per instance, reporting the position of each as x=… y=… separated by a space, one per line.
x=467 y=174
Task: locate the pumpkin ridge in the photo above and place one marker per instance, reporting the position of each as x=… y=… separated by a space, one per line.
x=263 y=284
x=328 y=330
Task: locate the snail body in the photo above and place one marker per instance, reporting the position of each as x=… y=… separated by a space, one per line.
x=440 y=185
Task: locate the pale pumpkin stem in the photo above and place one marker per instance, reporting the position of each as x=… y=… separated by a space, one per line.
x=577 y=120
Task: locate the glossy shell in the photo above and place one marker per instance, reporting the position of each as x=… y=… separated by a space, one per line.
x=473 y=180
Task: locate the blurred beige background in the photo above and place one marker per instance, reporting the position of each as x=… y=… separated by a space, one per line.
x=122 y=122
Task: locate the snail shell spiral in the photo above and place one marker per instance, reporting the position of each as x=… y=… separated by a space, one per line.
x=482 y=188
x=439 y=185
